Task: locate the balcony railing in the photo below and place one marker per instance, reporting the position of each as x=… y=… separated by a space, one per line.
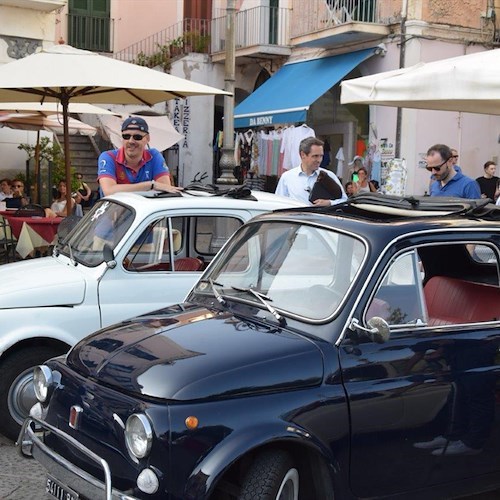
x=189 y=35
x=90 y=33
x=314 y=15
x=253 y=27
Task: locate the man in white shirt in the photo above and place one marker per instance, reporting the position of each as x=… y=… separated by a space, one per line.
x=297 y=183
x=5 y=189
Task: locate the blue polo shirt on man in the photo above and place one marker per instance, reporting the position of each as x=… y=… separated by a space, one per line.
x=112 y=164
x=460 y=186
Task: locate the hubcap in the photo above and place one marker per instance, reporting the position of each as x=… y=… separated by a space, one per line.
x=289 y=489
x=21 y=396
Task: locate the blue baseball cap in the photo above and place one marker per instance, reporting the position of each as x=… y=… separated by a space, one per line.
x=135 y=123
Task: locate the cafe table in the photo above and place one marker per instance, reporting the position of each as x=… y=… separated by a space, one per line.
x=32 y=233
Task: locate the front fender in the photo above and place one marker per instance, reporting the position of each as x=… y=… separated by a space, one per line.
x=204 y=478
x=61 y=324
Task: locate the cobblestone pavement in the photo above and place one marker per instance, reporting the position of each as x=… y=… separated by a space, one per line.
x=20 y=479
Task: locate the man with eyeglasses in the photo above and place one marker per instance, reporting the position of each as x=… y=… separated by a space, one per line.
x=133 y=167
x=448 y=177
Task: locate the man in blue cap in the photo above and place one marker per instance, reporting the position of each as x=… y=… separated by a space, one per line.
x=133 y=167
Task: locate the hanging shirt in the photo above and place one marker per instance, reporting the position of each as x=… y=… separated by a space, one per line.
x=340 y=162
x=291 y=142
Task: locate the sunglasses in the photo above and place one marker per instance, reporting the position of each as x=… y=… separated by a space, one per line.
x=136 y=137
x=437 y=168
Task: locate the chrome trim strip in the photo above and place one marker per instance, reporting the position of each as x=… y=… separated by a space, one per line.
x=30 y=443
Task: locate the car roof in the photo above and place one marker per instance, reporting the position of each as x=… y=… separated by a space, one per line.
x=231 y=198
x=399 y=215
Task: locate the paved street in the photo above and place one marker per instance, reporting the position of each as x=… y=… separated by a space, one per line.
x=19 y=479
x=22 y=479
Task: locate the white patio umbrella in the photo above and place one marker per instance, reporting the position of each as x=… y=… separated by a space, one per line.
x=65 y=74
x=469 y=83
x=161 y=131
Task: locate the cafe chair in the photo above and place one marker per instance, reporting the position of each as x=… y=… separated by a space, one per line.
x=7 y=242
x=30 y=210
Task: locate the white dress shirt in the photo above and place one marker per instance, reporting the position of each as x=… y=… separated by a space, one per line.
x=297 y=185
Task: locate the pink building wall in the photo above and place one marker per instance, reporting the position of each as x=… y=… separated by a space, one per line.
x=132 y=23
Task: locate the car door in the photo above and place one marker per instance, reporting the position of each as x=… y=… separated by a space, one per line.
x=430 y=379
x=158 y=267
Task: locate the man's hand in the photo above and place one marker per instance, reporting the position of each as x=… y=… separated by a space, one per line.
x=162 y=186
x=321 y=203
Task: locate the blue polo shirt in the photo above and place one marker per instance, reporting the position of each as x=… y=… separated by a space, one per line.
x=460 y=186
x=112 y=164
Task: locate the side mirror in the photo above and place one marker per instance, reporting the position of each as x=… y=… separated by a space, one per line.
x=380 y=329
x=378 y=332
x=109 y=256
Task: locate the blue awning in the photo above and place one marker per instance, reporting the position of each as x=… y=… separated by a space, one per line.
x=288 y=94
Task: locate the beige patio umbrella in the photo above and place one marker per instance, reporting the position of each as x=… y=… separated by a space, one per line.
x=469 y=83
x=50 y=108
x=36 y=116
x=52 y=123
x=65 y=74
x=38 y=121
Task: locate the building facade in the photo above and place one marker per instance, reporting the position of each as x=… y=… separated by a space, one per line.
x=291 y=56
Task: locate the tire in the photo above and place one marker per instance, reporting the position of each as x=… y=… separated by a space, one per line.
x=272 y=476
x=16 y=388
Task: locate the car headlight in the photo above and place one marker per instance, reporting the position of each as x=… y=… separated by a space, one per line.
x=43 y=382
x=138 y=435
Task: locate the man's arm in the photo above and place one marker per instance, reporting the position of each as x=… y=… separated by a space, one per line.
x=327 y=203
x=110 y=186
x=281 y=188
x=472 y=190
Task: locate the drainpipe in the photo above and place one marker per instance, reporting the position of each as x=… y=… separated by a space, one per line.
x=402 y=50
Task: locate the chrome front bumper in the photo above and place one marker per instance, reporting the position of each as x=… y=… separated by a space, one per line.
x=30 y=444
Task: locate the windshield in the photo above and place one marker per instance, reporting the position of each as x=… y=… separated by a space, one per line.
x=106 y=223
x=301 y=270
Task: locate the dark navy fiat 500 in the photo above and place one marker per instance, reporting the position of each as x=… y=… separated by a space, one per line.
x=348 y=352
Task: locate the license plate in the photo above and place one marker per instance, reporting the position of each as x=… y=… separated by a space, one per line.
x=57 y=490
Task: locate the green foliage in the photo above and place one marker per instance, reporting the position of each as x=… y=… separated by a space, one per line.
x=160 y=58
x=190 y=41
x=51 y=152
x=196 y=42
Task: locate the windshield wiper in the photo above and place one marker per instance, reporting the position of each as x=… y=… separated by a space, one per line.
x=264 y=299
x=71 y=256
x=218 y=296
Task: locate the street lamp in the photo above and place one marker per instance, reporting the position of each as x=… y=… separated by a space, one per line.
x=227 y=162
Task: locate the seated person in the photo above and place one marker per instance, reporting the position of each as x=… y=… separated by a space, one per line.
x=19 y=199
x=59 y=204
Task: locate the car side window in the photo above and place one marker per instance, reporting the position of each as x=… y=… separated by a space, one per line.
x=399 y=296
x=152 y=249
x=210 y=233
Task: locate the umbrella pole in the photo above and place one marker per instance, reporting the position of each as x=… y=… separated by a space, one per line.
x=67 y=159
x=36 y=176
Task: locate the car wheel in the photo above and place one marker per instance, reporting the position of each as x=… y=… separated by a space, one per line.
x=271 y=476
x=17 y=395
